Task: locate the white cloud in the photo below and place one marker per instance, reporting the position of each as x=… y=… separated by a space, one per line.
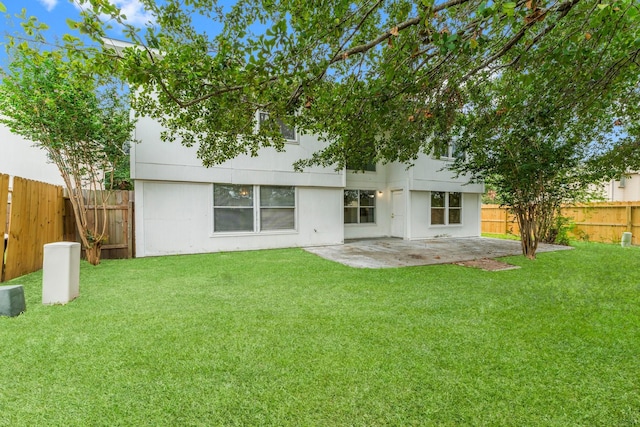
x=49 y=4
x=132 y=9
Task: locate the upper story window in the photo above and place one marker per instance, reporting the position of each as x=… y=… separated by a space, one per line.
x=446 y=149
x=359 y=206
x=446 y=208
x=367 y=167
x=288 y=133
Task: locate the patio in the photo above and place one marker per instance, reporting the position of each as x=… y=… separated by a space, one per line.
x=394 y=252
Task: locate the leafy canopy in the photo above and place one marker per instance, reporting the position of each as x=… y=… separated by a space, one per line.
x=80 y=119
x=544 y=131
x=376 y=79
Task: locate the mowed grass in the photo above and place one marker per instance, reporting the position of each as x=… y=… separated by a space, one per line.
x=501 y=236
x=283 y=337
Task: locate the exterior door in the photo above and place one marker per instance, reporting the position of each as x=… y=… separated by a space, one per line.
x=397 y=214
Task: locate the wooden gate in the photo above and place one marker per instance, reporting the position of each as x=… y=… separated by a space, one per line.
x=119 y=210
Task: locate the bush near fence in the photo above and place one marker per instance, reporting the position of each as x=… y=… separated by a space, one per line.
x=597 y=222
x=33 y=214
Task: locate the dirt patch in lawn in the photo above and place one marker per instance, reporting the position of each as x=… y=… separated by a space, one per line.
x=488 y=264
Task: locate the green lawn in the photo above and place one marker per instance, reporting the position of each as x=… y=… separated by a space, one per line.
x=283 y=337
x=502 y=236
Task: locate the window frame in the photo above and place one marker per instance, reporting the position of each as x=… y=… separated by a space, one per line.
x=264 y=207
x=368 y=168
x=451 y=153
x=229 y=208
x=263 y=115
x=446 y=209
x=257 y=211
x=359 y=207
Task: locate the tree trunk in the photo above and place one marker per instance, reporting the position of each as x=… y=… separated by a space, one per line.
x=528 y=230
x=93 y=253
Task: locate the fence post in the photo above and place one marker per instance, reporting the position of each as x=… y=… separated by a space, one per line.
x=4 y=210
x=506 y=220
x=130 y=225
x=629 y=224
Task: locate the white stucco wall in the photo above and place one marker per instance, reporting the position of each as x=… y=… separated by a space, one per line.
x=18 y=157
x=153 y=159
x=421 y=227
x=430 y=174
x=177 y=218
x=628 y=191
x=174 y=213
x=376 y=181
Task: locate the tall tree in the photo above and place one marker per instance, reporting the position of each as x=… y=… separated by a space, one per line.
x=79 y=119
x=375 y=78
x=545 y=141
x=536 y=154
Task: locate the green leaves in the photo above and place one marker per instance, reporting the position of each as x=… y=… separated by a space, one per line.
x=509 y=8
x=55 y=99
x=3 y=8
x=354 y=71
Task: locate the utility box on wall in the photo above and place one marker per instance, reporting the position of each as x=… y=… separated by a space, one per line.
x=61 y=272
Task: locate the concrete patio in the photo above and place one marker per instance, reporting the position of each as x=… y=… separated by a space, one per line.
x=393 y=252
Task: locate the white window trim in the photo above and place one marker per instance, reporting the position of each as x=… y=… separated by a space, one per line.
x=450 y=157
x=256 y=213
x=296 y=139
x=375 y=207
x=446 y=210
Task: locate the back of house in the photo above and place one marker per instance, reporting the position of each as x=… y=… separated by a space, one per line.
x=261 y=202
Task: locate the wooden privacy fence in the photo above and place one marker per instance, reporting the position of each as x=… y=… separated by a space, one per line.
x=33 y=214
x=120 y=236
x=596 y=222
x=30 y=217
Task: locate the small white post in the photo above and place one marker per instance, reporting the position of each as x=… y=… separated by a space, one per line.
x=626 y=239
x=61 y=272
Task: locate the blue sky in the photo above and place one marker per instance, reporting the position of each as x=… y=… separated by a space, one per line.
x=55 y=13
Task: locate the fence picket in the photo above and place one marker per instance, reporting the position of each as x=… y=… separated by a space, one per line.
x=4 y=219
x=39 y=214
x=120 y=239
x=31 y=225
x=597 y=222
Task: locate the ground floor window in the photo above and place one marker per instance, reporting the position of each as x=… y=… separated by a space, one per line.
x=249 y=208
x=359 y=206
x=446 y=208
x=277 y=208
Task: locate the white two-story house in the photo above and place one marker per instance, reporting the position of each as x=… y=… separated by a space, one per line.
x=261 y=202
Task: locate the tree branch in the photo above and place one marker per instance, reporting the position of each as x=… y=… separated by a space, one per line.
x=384 y=36
x=563 y=8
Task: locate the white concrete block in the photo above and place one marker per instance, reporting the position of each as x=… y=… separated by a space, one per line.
x=61 y=272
